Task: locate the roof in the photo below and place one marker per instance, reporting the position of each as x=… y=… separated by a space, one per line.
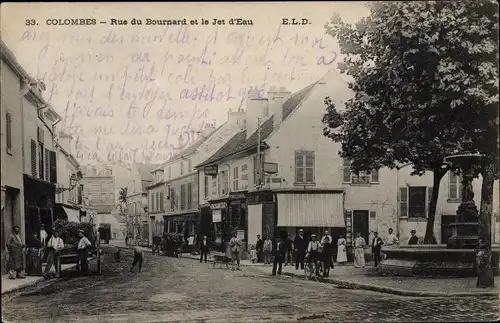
x=145 y=184
x=239 y=143
x=145 y=171
x=104 y=208
x=190 y=149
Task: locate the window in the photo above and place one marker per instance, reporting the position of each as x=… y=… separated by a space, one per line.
x=361 y=178
x=157 y=201
x=205 y=187
x=214 y=185
x=189 y=166
x=8 y=130
x=304 y=167
x=414 y=201
x=41 y=164
x=183 y=196
x=33 y=158
x=189 y=196
x=244 y=168
x=169 y=172
x=455 y=187
x=223 y=182
x=161 y=201
x=182 y=168
x=235 y=179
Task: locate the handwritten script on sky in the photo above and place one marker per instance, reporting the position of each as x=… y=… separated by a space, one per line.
x=126 y=92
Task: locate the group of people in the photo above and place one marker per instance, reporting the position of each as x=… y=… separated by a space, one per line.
x=42 y=248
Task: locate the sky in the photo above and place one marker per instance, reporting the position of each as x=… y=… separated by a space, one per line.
x=126 y=91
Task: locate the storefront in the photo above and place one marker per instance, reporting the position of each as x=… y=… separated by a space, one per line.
x=228 y=215
x=262 y=216
x=39 y=197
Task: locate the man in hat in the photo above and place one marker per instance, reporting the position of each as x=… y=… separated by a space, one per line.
x=413 y=239
x=327 y=235
x=15 y=248
x=54 y=247
x=300 y=244
x=377 y=244
x=138 y=257
x=83 y=252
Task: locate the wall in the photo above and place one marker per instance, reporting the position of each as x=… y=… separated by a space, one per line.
x=99 y=190
x=65 y=168
x=176 y=184
x=11 y=164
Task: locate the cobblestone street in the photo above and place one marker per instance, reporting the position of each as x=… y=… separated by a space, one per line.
x=171 y=289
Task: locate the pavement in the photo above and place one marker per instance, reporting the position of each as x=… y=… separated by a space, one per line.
x=347 y=276
x=11 y=285
x=182 y=290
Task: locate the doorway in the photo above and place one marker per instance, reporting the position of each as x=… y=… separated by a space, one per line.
x=360 y=223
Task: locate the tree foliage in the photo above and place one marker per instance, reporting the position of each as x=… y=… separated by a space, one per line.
x=425 y=81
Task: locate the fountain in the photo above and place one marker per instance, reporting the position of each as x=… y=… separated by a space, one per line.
x=457 y=258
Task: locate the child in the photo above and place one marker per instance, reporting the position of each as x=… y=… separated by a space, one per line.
x=138 y=257
x=253 y=254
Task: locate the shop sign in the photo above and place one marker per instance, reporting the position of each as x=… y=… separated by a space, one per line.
x=211 y=170
x=217 y=216
x=237 y=196
x=220 y=205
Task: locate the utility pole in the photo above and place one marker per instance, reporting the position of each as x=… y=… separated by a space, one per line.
x=259 y=166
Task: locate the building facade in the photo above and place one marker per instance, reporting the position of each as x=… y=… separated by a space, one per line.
x=98 y=191
x=140 y=178
x=303 y=182
x=12 y=194
x=69 y=190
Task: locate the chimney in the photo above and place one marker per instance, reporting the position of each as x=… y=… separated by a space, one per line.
x=276 y=100
x=207 y=129
x=237 y=117
x=256 y=108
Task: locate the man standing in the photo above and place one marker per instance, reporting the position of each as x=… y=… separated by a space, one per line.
x=392 y=239
x=15 y=247
x=268 y=249
x=138 y=257
x=43 y=239
x=327 y=235
x=204 y=249
x=300 y=245
x=83 y=252
x=259 y=246
x=413 y=239
x=376 y=247
x=279 y=254
x=54 y=248
x=235 y=247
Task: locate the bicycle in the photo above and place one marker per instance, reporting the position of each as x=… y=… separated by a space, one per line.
x=313 y=270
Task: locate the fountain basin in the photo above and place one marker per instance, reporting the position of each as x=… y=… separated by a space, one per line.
x=465 y=235
x=433 y=261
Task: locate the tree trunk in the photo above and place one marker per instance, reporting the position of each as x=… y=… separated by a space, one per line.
x=485 y=276
x=429 y=231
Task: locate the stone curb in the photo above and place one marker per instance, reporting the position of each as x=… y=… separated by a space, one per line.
x=40 y=281
x=394 y=291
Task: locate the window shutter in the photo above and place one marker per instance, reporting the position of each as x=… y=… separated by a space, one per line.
x=8 y=128
x=346 y=165
x=157 y=201
x=161 y=201
x=309 y=170
x=188 y=193
x=299 y=167
x=47 y=165
x=373 y=214
x=429 y=197
x=53 y=166
x=403 y=201
x=452 y=187
x=33 y=158
x=182 y=168
x=375 y=176
x=183 y=196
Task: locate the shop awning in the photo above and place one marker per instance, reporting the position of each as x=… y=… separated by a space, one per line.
x=73 y=215
x=311 y=210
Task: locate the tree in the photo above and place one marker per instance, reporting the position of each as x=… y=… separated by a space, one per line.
x=122 y=197
x=422 y=71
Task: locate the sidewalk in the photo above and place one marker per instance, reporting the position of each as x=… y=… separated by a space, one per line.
x=10 y=285
x=346 y=276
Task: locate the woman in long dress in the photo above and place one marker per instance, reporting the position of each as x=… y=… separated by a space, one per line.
x=341 y=250
x=359 y=251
